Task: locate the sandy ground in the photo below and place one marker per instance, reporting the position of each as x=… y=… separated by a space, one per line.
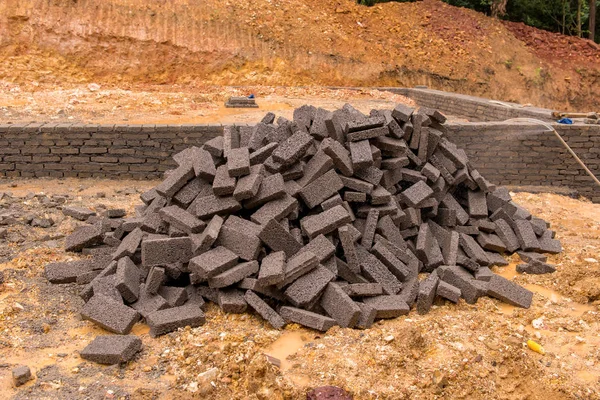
x=455 y=351
x=173 y=104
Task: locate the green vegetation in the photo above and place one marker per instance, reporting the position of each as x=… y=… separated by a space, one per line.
x=571 y=17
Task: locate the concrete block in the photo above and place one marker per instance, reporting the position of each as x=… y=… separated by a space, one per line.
x=232 y=301
x=507 y=235
x=316 y=167
x=208 y=206
x=309 y=286
x=296 y=266
x=272 y=187
x=233 y=275
x=166 y=251
x=214 y=146
x=448 y=291
x=238 y=162
x=247 y=186
x=366 y=317
x=245 y=244
x=536 y=267
x=307 y=318
x=165 y=321
x=182 y=220
x=127 y=280
x=357 y=185
x=483 y=274
x=203 y=241
x=264 y=310
x=223 y=184
x=360 y=154
x=528 y=256
x=526 y=236
x=66 y=272
x=79 y=213
x=509 y=292
x=402 y=113
x=272 y=268
x=416 y=194
x=21 y=375
x=393 y=264
x=363 y=289
x=339 y=155
x=477 y=204
x=355 y=197
x=321 y=247
x=260 y=155
x=369 y=231
x=491 y=242
x=109 y=314
x=85 y=236
x=340 y=306
x=462 y=279
x=293 y=148
x=325 y=222
x=276 y=209
x=148 y=302
x=473 y=250
x=277 y=238
x=202 y=161
x=176 y=180
x=427 y=291
x=376 y=271
x=112 y=349
x=213 y=262
x=321 y=189
x=387 y=306
x=175 y=296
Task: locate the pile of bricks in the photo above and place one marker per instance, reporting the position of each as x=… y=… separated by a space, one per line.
x=241 y=102
x=329 y=219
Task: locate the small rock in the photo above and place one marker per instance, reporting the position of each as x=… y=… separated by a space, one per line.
x=100 y=195
x=329 y=393
x=590 y=260
x=21 y=375
x=42 y=222
x=3 y=233
x=93 y=87
x=388 y=338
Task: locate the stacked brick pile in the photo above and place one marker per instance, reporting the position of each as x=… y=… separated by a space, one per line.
x=329 y=219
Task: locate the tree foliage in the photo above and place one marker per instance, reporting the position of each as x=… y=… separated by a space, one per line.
x=553 y=15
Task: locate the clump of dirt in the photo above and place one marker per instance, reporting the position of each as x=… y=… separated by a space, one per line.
x=455 y=351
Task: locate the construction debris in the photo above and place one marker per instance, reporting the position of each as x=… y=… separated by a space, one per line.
x=334 y=218
x=241 y=102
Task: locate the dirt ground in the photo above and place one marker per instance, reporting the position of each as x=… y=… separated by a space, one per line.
x=173 y=104
x=456 y=351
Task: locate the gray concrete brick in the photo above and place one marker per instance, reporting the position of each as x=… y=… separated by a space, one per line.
x=272 y=187
x=360 y=154
x=232 y=301
x=276 y=209
x=111 y=349
x=264 y=310
x=203 y=241
x=166 y=251
x=272 y=268
x=376 y=271
x=526 y=236
x=109 y=314
x=509 y=292
x=127 y=279
x=223 y=184
x=387 y=306
x=233 y=275
x=277 y=238
x=309 y=286
x=165 y=321
x=427 y=291
x=325 y=222
x=307 y=318
x=181 y=219
x=213 y=262
x=174 y=296
x=208 y=206
x=238 y=162
x=321 y=189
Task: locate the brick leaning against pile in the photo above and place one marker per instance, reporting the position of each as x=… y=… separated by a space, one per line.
x=324 y=220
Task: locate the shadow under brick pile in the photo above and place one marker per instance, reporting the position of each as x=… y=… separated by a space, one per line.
x=324 y=220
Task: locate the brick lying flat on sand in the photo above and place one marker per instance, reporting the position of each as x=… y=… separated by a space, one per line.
x=334 y=218
x=165 y=321
x=112 y=349
x=79 y=213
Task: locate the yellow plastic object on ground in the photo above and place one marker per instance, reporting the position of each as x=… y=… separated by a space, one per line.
x=536 y=347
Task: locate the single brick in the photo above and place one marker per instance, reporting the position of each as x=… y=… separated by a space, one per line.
x=369 y=231
x=528 y=256
x=524 y=232
x=376 y=271
x=307 y=318
x=238 y=162
x=496 y=259
x=340 y=306
x=335 y=200
x=321 y=189
x=483 y=274
x=176 y=180
x=232 y=301
x=276 y=209
x=80 y=213
x=309 y=286
x=507 y=235
x=536 y=267
x=366 y=317
x=112 y=349
x=181 y=219
x=175 y=296
x=339 y=155
x=223 y=184
x=67 y=272
x=248 y=186
x=473 y=250
x=477 y=204
x=448 y=292
x=214 y=146
x=360 y=154
x=293 y=148
x=315 y=167
x=85 y=236
x=274 y=235
x=387 y=306
x=355 y=197
x=21 y=375
x=416 y=194
x=387 y=257
x=302 y=263
x=233 y=275
x=325 y=222
x=203 y=241
x=165 y=321
x=128 y=279
x=272 y=269
x=321 y=247
x=402 y=113
x=450 y=203
x=509 y=292
x=272 y=187
x=148 y=302
x=155 y=279
x=244 y=243
x=462 y=279
x=427 y=291
x=357 y=185
x=262 y=154
x=166 y=251
x=207 y=206
x=109 y=314
x=264 y=310
x=213 y=262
